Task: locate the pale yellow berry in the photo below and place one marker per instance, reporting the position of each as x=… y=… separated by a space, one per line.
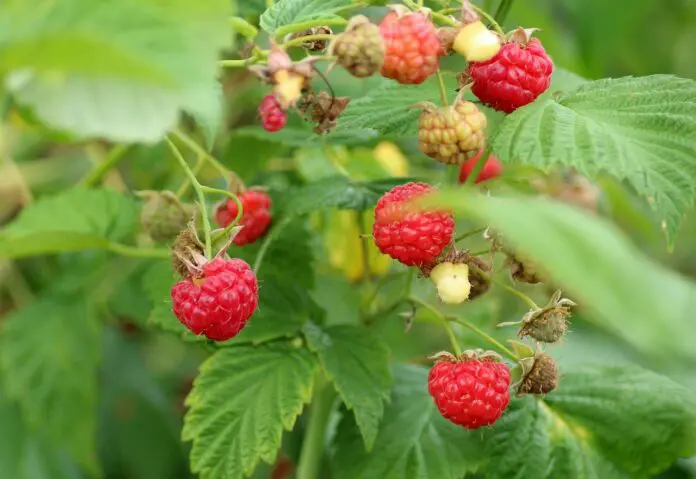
x=452 y=282
x=476 y=43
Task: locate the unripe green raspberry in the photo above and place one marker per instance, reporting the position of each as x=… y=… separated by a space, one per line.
x=360 y=48
x=451 y=134
x=163 y=215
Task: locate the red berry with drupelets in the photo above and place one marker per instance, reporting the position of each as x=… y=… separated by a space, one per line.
x=273 y=117
x=412 y=47
x=412 y=236
x=516 y=76
x=492 y=169
x=471 y=391
x=256 y=215
x=219 y=302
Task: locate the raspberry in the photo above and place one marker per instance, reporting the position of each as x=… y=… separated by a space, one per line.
x=360 y=48
x=163 y=216
x=451 y=134
x=452 y=282
x=411 y=237
x=412 y=47
x=256 y=215
x=515 y=77
x=542 y=378
x=273 y=118
x=219 y=303
x=492 y=169
x=470 y=392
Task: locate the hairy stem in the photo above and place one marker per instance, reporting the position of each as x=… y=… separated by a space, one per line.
x=94 y=176
x=199 y=150
x=443 y=88
x=469 y=234
x=186 y=184
x=313 y=444
x=302 y=26
x=490 y=19
x=487 y=337
x=307 y=38
x=136 y=252
x=503 y=10
x=240 y=210
x=478 y=167
x=199 y=193
x=517 y=293
x=270 y=238
x=445 y=323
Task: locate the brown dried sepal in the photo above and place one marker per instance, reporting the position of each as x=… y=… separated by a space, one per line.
x=323 y=110
x=446 y=35
x=468 y=355
x=542 y=378
x=521 y=36
x=550 y=323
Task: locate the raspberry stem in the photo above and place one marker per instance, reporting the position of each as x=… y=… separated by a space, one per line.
x=478 y=167
x=314 y=438
x=443 y=89
x=270 y=238
x=199 y=193
x=240 y=210
x=490 y=19
x=135 y=252
x=199 y=150
x=517 y=293
x=239 y=63
x=307 y=38
x=445 y=323
x=306 y=25
x=503 y=10
x=469 y=234
x=365 y=244
x=100 y=170
x=200 y=162
x=487 y=337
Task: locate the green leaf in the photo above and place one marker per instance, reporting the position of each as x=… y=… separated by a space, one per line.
x=24 y=455
x=287 y=12
x=73 y=220
x=389 y=108
x=414 y=440
x=339 y=192
x=640 y=129
x=140 y=63
x=629 y=294
x=49 y=355
x=357 y=362
x=242 y=400
x=602 y=422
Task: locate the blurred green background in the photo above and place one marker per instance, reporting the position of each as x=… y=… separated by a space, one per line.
x=145 y=376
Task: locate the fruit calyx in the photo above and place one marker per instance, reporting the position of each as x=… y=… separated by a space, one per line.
x=289 y=79
x=323 y=110
x=188 y=251
x=540 y=375
x=468 y=355
x=521 y=36
x=550 y=323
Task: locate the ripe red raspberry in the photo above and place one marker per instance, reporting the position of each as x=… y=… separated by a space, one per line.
x=273 y=118
x=492 y=169
x=515 y=77
x=412 y=47
x=256 y=215
x=413 y=238
x=470 y=392
x=219 y=303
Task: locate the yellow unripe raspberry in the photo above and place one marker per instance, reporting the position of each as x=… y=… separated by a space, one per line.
x=476 y=43
x=452 y=282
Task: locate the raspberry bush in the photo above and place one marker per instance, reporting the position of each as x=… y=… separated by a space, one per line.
x=335 y=239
